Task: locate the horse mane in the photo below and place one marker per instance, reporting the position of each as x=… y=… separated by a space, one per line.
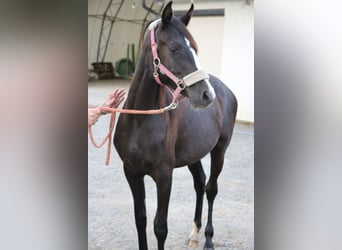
x=180 y=26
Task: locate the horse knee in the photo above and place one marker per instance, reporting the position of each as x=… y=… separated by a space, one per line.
x=211 y=190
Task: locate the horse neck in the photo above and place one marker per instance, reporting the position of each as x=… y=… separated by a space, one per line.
x=144 y=91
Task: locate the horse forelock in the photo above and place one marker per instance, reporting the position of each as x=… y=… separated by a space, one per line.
x=178 y=24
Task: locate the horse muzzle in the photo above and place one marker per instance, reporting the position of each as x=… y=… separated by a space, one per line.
x=201 y=94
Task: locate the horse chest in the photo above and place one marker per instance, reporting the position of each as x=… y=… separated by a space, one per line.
x=145 y=140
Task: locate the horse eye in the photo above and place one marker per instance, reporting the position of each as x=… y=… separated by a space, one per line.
x=173 y=50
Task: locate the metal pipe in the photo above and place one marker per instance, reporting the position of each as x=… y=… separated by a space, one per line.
x=102 y=24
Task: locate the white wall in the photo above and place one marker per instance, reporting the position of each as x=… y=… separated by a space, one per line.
x=238 y=56
x=210 y=41
x=235 y=63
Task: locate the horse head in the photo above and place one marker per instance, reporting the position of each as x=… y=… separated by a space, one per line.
x=175 y=59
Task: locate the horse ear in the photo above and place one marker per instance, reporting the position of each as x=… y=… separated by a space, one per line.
x=167 y=13
x=186 y=18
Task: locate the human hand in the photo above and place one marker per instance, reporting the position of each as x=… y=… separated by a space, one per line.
x=115 y=98
x=118 y=97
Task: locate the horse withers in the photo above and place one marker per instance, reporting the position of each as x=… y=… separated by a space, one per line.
x=155 y=145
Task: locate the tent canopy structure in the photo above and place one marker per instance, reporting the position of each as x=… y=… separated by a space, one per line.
x=112 y=13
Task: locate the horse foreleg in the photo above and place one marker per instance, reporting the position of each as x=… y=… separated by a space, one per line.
x=163 y=180
x=198 y=175
x=217 y=159
x=137 y=186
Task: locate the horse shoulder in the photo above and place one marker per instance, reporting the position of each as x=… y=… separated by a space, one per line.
x=140 y=137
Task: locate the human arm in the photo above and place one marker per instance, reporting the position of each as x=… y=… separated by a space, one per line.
x=93 y=115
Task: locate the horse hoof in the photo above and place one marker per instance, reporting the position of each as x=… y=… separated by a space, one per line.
x=193 y=243
x=209 y=247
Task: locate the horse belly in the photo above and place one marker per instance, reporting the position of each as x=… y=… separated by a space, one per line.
x=189 y=156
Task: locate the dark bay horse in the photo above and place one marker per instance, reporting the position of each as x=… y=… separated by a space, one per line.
x=156 y=144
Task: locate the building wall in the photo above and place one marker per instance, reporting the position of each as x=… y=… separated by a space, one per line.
x=210 y=41
x=226 y=47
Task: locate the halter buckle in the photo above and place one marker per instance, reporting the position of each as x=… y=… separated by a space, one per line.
x=156 y=62
x=174 y=105
x=181 y=84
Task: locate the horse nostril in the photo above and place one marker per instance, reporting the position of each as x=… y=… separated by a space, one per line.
x=206 y=95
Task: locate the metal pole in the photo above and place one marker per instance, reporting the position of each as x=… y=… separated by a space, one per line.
x=111 y=28
x=101 y=31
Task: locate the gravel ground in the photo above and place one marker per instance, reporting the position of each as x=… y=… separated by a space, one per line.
x=110 y=205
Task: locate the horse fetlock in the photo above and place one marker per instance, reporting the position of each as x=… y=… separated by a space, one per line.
x=209 y=248
x=208 y=245
x=160 y=230
x=209 y=232
x=194 y=236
